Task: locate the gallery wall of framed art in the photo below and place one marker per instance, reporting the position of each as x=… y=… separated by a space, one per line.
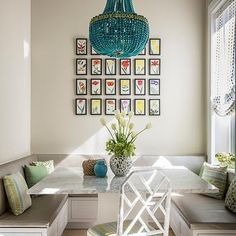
x=104 y=84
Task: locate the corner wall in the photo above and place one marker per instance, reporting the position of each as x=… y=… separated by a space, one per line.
x=180 y=130
x=14 y=79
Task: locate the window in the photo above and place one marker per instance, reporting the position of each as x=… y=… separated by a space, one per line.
x=221 y=107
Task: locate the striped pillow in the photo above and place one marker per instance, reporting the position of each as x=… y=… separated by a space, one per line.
x=216 y=176
x=16 y=190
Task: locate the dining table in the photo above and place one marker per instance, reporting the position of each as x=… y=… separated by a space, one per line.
x=71 y=180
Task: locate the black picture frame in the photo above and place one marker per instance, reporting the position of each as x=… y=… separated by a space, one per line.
x=135 y=108
x=105 y=106
x=150 y=50
x=135 y=69
x=149 y=87
x=125 y=99
x=143 y=52
x=86 y=66
x=91 y=101
x=91 y=86
x=91 y=66
x=120 y=92
x=149 y=107
x=120 y=67
x=149 y=65
x=110 y=59
x=76 y=106
x=86 y=88
x=135 y=87
x=105 y=87
x=92 y=51
x=76 y=46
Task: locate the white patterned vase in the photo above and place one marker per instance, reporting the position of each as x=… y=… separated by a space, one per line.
x=120 y=166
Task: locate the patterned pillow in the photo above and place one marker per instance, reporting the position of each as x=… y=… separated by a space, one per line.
x=216 y=176
x=230 y=200
x=16 y=190
x=48 y=164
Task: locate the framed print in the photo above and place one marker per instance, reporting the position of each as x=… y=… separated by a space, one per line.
x=81 y=66
x=154 y=86
x=154 y=107
x=96 y=106
x=125 y=67
x=96 y=87
x=125 y=105
x=92 y=51
x=125 y=87
x=81 y=86
x=81 y=46
x=154 y=66
x=140 y=107
x=139 y=87
x=154 y=46
x=81 y=106
x=110 y=86
x=143 y=52
x=139 y=66
x=110 y=106
x=110 y=66
x=96 y=66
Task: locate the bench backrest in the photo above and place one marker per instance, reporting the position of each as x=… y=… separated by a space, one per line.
x=9 y=168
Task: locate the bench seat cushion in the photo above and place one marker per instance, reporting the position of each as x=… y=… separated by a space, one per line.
x=41 y=214
x=200 y=212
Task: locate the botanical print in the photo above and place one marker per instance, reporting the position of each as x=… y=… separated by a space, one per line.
x=80 y=106
x=96 y=106
x=81 y=46
x=125 y=87
x=139 y=107
x=110 y=66
x=154 y=86
x=155 y=46
x=96 y=66
x=125 y=105
x=81 y=66
x=110 y=106
x=81 y=86
x=110 y=86
x=96 y=86
x=154 y=66
x=154 y=107
x=125 y=67
x=139 y=66
x=139 y=87
x=93 y=52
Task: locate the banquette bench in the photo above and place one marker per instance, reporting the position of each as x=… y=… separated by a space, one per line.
x=46 y=217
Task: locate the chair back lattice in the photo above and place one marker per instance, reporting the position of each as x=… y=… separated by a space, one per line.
x=144 y=195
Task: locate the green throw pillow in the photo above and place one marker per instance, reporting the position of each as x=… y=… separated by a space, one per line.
x=48 y=164
x=34 y=174
x=216 y=176
x=16 y=191
x=230 y=200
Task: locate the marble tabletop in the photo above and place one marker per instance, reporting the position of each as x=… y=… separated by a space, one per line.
x=70 y=180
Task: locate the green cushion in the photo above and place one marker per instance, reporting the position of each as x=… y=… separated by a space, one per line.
x=216 y=176
x=48 y=164
x=34 y=174
x=230 y=200
x=16 y=190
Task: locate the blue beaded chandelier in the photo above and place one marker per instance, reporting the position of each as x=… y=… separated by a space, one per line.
x=119 y=32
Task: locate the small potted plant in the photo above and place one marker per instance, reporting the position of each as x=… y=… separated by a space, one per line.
x=121 y=145
x=226 y=159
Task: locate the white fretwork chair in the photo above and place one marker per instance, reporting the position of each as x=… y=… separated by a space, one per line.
x=138 y=210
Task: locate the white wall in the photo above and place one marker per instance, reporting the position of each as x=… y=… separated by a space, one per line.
x=181 y=127
x=14 y=79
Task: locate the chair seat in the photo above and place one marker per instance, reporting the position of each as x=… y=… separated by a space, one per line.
x=41 y=214
x=109 y=229
x=200 y=211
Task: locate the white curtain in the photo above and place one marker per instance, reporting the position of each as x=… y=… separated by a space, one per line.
x=223 y=69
